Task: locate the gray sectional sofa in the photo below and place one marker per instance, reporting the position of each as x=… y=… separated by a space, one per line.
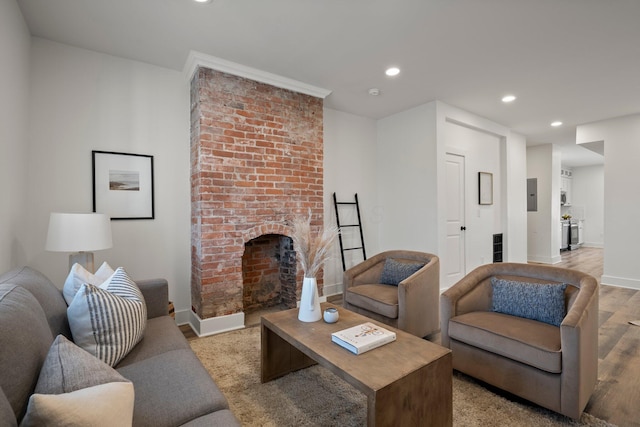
x=171 y=386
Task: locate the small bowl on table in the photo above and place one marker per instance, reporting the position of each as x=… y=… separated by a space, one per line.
x=331 y=315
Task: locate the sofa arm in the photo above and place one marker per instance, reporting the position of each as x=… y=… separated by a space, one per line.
x=156 y=296
x=414 y=296
x=579 y=341
x=447 y=311
x=364 y=272
x=464 y=290
x=467 y=290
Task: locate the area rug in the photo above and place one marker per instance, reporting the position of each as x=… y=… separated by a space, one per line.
x=316 y=397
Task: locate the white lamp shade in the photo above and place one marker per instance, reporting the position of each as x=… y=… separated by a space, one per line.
x=78 y=232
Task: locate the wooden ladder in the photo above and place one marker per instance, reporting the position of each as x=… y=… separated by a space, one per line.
x=336 y=203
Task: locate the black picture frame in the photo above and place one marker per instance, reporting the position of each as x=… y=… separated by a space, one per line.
x=123 y=185
x=485 y=188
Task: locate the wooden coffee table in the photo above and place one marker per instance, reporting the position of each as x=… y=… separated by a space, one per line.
x=407 y=382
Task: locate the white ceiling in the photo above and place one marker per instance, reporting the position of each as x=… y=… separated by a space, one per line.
x=577 y=61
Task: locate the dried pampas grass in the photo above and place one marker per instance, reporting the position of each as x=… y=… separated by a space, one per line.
x=313 y=251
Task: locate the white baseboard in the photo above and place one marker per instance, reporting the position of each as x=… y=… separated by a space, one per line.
x=544 y=260
x=212 y=325
x=334 y=289
x=593 y=245
x=216 y=325
x=620 y=282
x=183 y=317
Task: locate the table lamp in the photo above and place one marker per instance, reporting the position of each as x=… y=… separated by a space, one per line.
x=79 y=233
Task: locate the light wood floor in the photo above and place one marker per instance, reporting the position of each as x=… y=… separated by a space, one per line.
x=617 y=395
x=616 y=398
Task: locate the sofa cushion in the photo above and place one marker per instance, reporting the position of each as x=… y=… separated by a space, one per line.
x=78 y=276
x=395 y=272
x=25 y=338
x=160 y=335
x=527 y=341
x=68 y=368
x=47 y=294
x=108 y=323
x=381 y=299
x=6 y=412
x=103 y=405
x=544 y=302
x=158 y=382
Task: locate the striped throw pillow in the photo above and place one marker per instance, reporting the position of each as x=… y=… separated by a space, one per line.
x=108 y=321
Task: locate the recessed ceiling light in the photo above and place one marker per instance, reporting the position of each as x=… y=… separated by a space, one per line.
x=374 y=91
x=556 y=123
x=393 y=71
x=508 y=98
x=202 y=1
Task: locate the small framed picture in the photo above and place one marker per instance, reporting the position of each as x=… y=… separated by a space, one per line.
x=485 y=188
x=123 y=185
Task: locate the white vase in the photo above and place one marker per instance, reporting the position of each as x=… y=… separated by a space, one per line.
x=309 y=310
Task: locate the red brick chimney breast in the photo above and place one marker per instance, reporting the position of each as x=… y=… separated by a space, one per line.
x=256 y=162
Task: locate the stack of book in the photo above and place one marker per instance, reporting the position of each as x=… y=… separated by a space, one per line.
x=362 y=338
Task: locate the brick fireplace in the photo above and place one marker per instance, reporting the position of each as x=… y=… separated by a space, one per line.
x=256 y=162
x=269 y=273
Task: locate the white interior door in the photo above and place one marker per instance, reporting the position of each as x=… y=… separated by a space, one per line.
x=454 y=263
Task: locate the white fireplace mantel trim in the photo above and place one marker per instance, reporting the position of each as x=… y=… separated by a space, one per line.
x=215 y=325
x=199 y=59
x=210 y=326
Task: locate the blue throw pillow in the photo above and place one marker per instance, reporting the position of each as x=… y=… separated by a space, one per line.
x=395 y=272
x=543 y=302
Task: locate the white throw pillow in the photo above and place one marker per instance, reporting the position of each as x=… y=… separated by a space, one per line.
x=80 y=275
x=104 y=272
x=108 y=322
x=103 y=405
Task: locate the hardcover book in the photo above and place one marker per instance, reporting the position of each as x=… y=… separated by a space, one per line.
x=361 y=338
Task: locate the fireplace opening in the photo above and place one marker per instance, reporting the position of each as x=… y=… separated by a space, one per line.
x=268 y=275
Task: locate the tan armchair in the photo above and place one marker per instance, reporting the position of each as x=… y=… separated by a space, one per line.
x=411 y=306
x=555 y=367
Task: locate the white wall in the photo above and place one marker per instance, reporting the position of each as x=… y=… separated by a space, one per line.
x=621 y=138
x=63 y=102
x=82 y=101
x=14 y=97
x=407 y=180
x=350 y=168
x=543 y=163
x=515 y=167
x=491 y=148
x=588 y=202
x=412 y=147
x=482 y=154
